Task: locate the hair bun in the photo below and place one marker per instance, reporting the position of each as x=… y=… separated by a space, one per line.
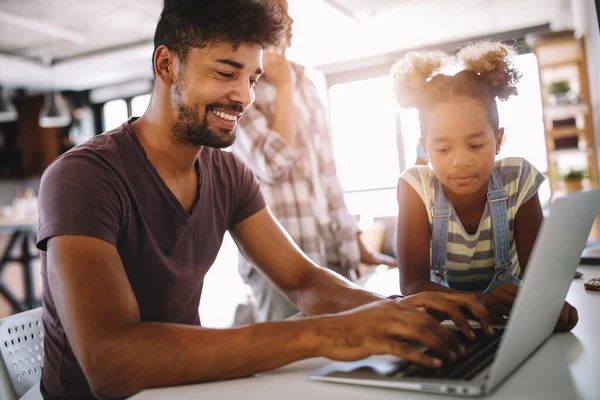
x=493 y=62
x=412 y=72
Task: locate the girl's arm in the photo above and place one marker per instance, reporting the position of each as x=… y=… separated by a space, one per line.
x=413 y=241
x=527 y=225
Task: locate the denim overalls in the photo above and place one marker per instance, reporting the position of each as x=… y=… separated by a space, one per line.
x=441 y=211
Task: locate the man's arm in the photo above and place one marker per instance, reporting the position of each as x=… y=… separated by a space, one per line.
x=121 y=355
x=313 y=289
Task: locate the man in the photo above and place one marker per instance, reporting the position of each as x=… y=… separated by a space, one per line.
x=284 y=139
x=131 y=221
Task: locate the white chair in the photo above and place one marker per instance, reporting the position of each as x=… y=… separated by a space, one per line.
x=22 y=348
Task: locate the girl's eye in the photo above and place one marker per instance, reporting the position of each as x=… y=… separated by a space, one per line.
x=225 y=74
x=443 y=150
x=477 y=146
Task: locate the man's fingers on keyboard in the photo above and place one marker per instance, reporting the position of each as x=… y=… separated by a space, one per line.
x=409 y=353
x=459 y=319
x=477 y=309
x=444 y=342
x=425 y=330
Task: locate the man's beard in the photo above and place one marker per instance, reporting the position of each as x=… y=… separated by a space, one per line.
x=189 y=129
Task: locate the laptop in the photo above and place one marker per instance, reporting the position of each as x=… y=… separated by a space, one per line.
x=490 y=361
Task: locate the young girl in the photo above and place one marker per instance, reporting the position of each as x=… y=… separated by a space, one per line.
x=469 y=223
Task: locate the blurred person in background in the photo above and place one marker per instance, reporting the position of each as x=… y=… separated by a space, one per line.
x=284 y=139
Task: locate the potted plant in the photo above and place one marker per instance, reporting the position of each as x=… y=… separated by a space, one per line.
x=559 y=92
x=574 y=180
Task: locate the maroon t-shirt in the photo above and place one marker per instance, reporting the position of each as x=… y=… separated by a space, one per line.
x=107 y=189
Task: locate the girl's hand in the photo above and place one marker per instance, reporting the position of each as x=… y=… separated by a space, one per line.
x=499 y=302
x=568 y=319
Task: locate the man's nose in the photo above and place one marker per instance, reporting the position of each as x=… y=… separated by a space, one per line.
x=242 y=94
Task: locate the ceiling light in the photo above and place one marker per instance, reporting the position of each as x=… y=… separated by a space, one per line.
x=55 y=113
x=8 y=111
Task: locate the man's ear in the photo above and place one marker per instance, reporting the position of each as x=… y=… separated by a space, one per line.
x=164 y=65
x=499 y=139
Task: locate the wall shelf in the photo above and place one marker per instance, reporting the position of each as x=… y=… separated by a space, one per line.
x=565 y=51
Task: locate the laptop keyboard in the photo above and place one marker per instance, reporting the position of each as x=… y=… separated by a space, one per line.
x=480 y=354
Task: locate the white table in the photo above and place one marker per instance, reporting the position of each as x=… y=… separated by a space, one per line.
x=567 y=366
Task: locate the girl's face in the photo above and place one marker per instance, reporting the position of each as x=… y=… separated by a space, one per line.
x=461 y=145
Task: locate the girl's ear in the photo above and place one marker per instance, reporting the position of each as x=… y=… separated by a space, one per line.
x=422 y=144
x=499 y=139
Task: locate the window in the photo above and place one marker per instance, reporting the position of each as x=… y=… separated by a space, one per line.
x=364 y=132
x=139 y=105
x=114 y=113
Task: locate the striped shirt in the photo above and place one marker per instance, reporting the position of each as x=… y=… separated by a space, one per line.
x=470 y=258
x=300 y=183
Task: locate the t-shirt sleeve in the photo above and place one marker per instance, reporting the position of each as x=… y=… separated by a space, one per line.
x=414 y=178
x=249 y=198
x=530 y=181
x=80 y=195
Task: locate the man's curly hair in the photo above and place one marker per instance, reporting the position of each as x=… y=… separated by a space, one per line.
x=186 y=24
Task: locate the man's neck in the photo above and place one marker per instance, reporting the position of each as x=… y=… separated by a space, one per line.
x=153 y=130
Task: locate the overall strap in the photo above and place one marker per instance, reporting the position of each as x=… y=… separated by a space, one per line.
x=497 y=200
x=440 y=212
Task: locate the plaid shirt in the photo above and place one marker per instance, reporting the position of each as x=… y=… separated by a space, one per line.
x=300 y=183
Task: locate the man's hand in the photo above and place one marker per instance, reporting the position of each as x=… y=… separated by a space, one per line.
x=278 y=70
x=455 y=306
x=390 y=327
x=499 y=303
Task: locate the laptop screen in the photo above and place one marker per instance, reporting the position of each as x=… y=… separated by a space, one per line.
x=598 y=14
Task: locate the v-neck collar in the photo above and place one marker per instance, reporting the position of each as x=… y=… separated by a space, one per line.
x=188 y=216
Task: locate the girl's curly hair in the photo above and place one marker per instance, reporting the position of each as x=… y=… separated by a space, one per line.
x=487 y=73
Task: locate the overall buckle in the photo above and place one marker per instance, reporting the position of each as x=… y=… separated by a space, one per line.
x=440 y=214
x=497 y=195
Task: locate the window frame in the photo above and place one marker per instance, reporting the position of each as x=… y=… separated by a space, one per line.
x=98 y=111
